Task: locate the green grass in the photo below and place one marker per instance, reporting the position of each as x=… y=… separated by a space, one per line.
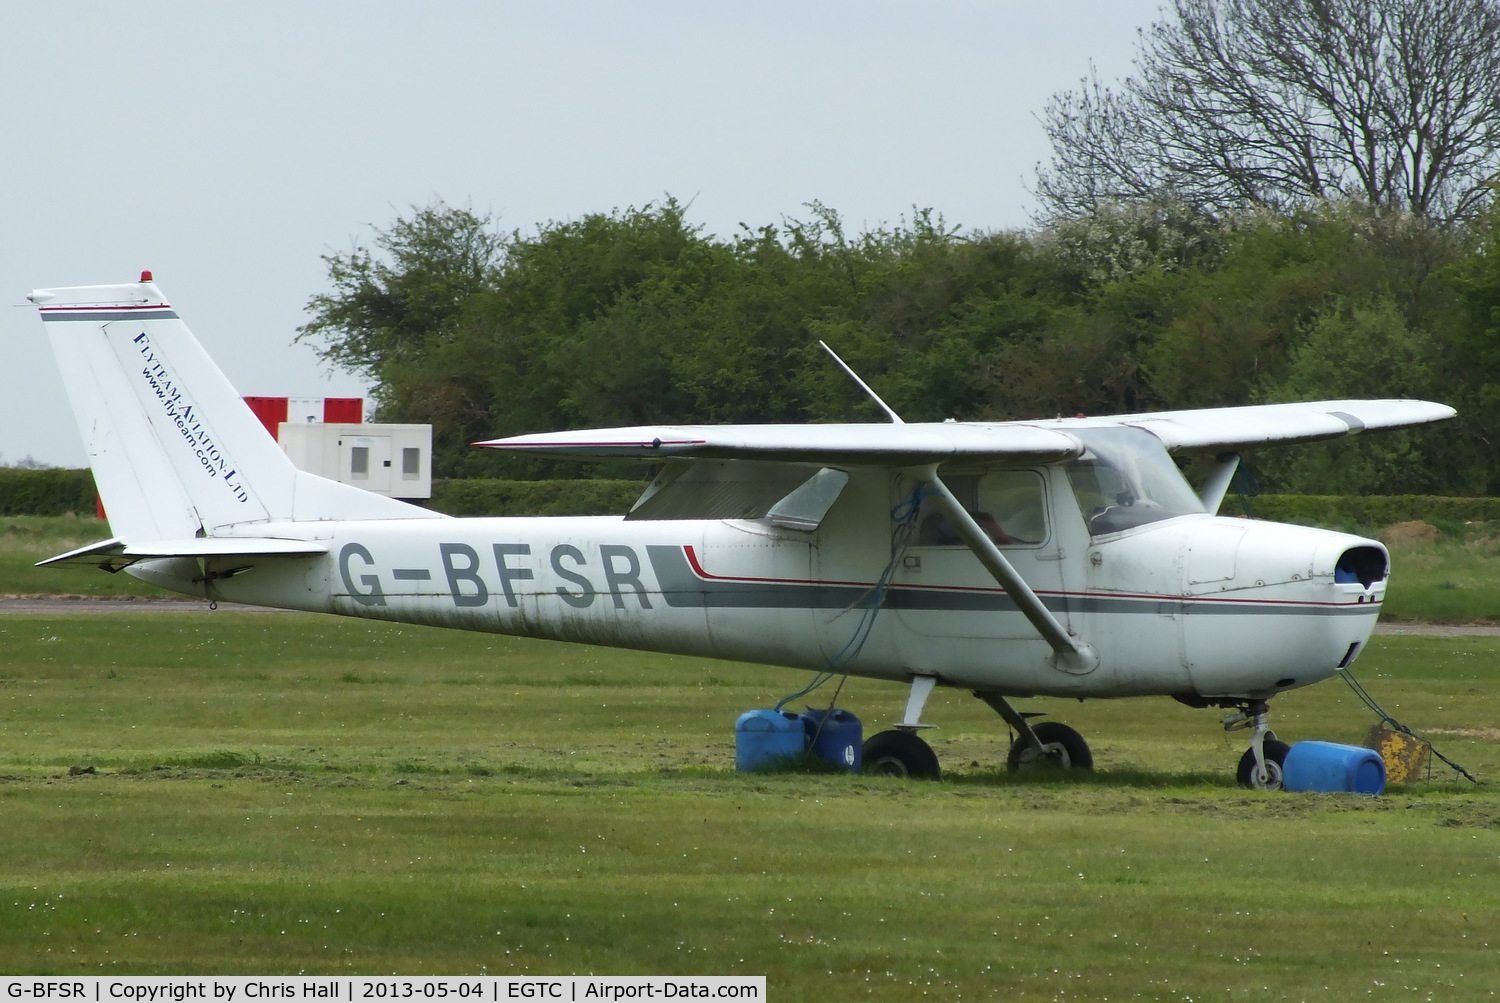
x=26 y=539
x=278 y=794
x=1453 y=579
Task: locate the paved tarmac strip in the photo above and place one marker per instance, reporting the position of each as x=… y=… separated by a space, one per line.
x=94 y=605
x=1440 y=629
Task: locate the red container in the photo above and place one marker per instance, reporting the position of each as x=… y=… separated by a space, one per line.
x=343 y=410
x=271 y=411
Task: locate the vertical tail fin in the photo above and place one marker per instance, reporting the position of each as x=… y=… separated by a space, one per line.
x=175 y=452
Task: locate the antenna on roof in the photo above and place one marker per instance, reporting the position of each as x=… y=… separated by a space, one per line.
x=896 y=418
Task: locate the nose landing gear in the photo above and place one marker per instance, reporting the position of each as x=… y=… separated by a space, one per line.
x=1260 y=766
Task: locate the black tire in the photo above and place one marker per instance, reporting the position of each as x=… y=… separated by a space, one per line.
x=899 y=754
x=1275 y=759
x=1065 y=749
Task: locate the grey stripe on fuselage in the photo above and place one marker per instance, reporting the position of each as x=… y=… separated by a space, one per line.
x=681 y=587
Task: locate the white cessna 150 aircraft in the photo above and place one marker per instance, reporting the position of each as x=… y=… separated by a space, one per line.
x=1062 y=558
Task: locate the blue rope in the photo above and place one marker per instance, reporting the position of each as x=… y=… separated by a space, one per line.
x=904 y=516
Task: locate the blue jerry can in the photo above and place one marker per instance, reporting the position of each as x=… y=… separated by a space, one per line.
x=838 y=740
x=762 y=737
x=1325 y=766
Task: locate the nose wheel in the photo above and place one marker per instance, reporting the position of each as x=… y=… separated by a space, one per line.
x=1274 y=753
x=1260 y=766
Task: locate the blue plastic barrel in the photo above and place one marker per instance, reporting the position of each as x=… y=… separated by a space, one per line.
x=1324 y=766
x=834 y=736
x=764 y=737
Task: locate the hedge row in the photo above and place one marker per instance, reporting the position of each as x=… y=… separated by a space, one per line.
x=602 y=497
x=57 y=492
x=52 y=491
x=1366 y=512
x=497 y=497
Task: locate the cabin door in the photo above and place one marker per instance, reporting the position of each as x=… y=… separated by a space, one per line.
x=940 y=589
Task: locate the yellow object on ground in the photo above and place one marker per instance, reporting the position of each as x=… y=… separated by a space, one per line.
x=1406 y=756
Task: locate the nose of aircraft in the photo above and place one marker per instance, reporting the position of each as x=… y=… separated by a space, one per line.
x=1272 y=554
x=1299 y=606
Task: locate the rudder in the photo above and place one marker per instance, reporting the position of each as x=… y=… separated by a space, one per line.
x=175 y=451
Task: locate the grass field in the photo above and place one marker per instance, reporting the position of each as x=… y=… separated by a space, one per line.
x=287 y=793
x=1451 y=579
x=26 y=539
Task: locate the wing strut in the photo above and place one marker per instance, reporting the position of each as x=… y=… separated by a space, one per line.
x=1070 y=653
x=1217 y=485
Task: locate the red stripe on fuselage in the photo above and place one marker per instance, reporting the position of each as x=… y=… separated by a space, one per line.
x=699 y=570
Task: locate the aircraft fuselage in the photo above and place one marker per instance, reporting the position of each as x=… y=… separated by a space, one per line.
x=1193 y=605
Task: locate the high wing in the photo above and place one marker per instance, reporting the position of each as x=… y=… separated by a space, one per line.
x=1232 y=428
x=857 y=443
x=1209 y=430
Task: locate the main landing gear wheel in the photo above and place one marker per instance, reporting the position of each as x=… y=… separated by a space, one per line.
x=1061 y=747
x=899 y=754
x=1275 y=752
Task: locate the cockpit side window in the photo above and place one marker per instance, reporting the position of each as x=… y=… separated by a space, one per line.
x=1008 y=505
x=1125 y=478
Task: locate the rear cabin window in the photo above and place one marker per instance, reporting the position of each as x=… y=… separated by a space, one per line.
x=1009 y=506
x=718 y=489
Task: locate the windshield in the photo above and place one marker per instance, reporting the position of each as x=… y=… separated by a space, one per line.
x=1125 y=478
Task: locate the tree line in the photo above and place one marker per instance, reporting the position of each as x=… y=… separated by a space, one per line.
x=1291 y=200
x=637 y=317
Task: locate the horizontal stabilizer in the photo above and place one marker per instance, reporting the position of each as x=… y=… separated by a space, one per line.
x=95 y=555
x=113 y=555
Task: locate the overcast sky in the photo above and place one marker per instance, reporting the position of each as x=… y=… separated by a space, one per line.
x=228 y=148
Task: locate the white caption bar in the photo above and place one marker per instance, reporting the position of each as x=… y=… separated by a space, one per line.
x=484 y=989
